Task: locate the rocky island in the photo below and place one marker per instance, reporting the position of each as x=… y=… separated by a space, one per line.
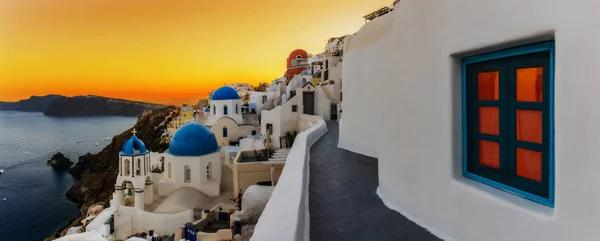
x=59 y=161
x=97 y=106
x=90 y=105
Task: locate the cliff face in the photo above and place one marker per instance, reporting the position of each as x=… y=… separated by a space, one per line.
x=96 y=173
x=34 y=103
x=96 y=106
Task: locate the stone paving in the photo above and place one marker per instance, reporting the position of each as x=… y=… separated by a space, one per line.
x=343 y=202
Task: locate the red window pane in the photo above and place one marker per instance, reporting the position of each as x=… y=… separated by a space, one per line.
x=529 y=84
x=529 y=164
x=488 y=120
x=489 y=154
x=487 y=85
x=529 y=126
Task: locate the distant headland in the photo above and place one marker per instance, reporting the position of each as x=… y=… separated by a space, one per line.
x=90 y=105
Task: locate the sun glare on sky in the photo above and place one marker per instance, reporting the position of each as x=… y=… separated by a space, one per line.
x=168 y=52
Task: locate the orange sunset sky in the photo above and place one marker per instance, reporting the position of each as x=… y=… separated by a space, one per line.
x=169 y=52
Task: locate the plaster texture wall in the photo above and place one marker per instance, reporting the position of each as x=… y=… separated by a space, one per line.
x=155 y=158
x=286 y=216
x=219 y=105
x=249 y=144
x=283 y=120
x=234 y=131
x=257 y=98
x=248 y=174
x=129 y=220
x=198 y=176
x=322 y=104
x=411 y=60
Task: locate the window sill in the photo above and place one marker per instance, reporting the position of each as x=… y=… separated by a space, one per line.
x=504 y=196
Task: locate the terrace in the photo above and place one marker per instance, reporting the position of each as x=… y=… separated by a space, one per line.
x=340 y=195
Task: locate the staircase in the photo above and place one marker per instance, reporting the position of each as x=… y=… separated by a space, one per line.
x=280 y=155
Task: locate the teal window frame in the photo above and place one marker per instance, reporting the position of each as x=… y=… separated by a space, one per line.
x=506 y=179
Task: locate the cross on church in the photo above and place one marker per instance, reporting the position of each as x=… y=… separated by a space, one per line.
x=134 y=131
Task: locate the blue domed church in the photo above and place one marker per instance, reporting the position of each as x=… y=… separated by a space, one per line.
x=193 y=160
x=225 y=117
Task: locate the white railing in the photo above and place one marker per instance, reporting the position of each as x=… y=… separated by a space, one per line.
x=286 y=215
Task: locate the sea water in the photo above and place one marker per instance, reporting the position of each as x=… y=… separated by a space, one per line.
x=36 y=205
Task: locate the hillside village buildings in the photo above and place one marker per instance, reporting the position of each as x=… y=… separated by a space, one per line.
x=471 y=138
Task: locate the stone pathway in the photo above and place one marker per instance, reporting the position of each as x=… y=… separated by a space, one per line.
x=343 y=202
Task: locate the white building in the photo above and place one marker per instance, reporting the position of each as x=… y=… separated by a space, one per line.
x=477 y=114
x=315 y=64
x=192 y=160
x=134 y=172
x=306 y=100
x=225 y=117
x=259 y=99
x=165 y=201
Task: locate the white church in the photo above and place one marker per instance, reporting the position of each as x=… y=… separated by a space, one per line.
x=192 y=160
x=224 y=117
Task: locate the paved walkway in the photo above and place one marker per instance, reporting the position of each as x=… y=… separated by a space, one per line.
x=343 y=201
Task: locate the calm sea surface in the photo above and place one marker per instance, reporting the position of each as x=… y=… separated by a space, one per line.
x=35 y=205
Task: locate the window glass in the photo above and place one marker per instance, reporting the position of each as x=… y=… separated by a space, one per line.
x=529 y=84
x=487 y=83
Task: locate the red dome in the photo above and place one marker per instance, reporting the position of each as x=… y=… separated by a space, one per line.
x=295 y=64
x=297 y=52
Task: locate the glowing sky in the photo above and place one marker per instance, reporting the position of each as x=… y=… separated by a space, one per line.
x=169 y=52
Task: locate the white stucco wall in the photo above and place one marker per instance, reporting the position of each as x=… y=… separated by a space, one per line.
x=220 y=111
x=283 y=120
x=155 y=159
x=129 y=220
x=257 y=98
x=249 y=144
x=198 y=176
x=322 y=104
x=234 y=131
x=286 y=216
x=412 y=66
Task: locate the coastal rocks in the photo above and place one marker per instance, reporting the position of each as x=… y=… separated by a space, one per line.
x=95 y=209
x=59 y=161
x=77 y=170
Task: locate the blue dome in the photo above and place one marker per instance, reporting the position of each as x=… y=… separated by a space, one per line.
x=226 y=93
x=134 y=146
x=193 y=139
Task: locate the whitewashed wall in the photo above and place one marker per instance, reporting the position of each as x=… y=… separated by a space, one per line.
x=286 y=216
x=257 y=98
x=198 y=178
x=129 y=220
x=410 y=59
x=282 y=118
x=220 y=111
x=234 y=131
